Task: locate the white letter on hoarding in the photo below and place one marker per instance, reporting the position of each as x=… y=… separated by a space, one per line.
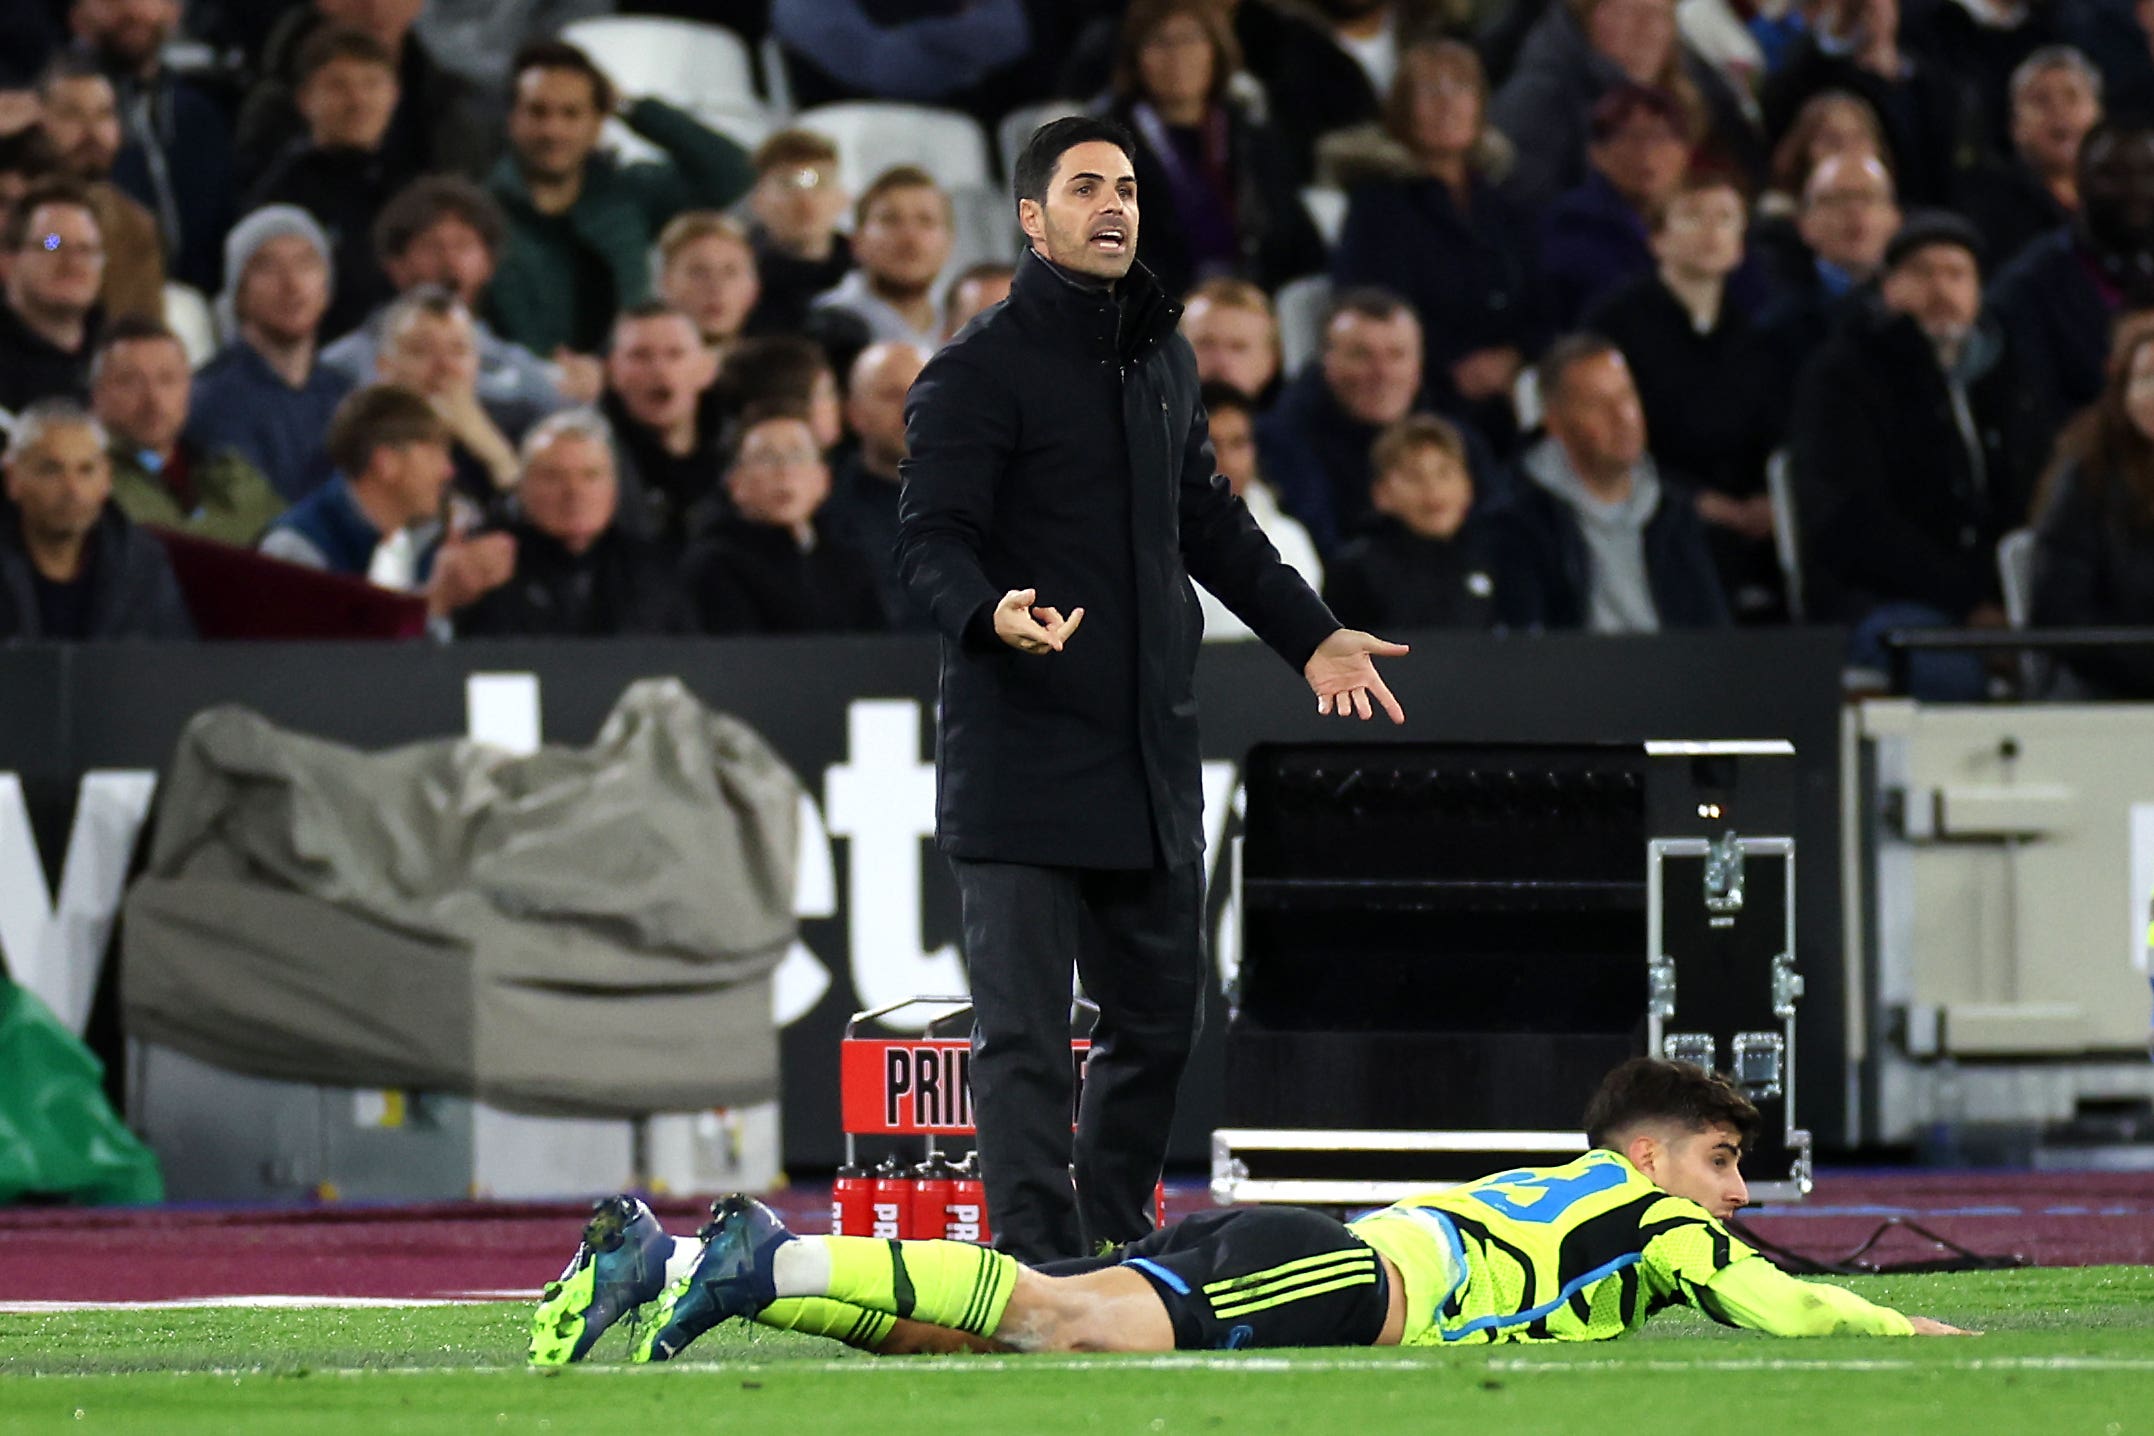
x=56 y=949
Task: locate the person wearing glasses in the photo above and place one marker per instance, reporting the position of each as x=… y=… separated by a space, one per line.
x=795 y=207
x=51 y=272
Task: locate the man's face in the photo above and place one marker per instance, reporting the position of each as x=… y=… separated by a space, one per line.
x=386 y=20
x=284 y=289
x=1373 y=366
x=433 y=355
x=1701 y=233
x=1595 y=414
x=713 y=280
x=554 y=122
x=348 y=103
x=974 y=295
x=1234 y=449
x=1941 y=287
x=1427 y=490
x=129 y=31
x=1635 y=35
x=1848 y=213
x=875 y=401
x=660 y=368
x=1644 y=158
x=1234 y=345
x=60 y=483
x=2116 y=190
x=2050 y=116
x=778 y=478
x=448 y=252
x=60 y=264
x=905 y=240
x=1089 y=223
x=799 y=204
x=1704 y=1166
x=142 y=392
x=416 y=476
x=569 y=490
x=82 y=121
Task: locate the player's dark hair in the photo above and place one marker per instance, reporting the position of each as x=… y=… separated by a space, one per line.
x=1655 y=1090
x=1037 y=160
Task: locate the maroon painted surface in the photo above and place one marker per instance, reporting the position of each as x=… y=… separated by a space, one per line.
x=2057 y=1219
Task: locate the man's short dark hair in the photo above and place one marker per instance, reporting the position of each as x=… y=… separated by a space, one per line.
x=27 y=152
x=1655 y=1090
x=561 y=55
x=777 y=370
x=1370 y=301
x=69 y=64
x=50 y=190
x=380 y=416
x=1037 y=160
x=130 y=329
x=1217 y=394
x=330 y=43
x=648 y=309
x=1565 y=354
x=425 y=202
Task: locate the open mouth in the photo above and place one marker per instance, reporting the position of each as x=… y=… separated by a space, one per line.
x=1111 y=238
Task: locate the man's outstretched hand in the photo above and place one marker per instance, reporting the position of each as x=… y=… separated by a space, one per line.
x=1033 y=630
x=1342 y=676
x=1930 y=1326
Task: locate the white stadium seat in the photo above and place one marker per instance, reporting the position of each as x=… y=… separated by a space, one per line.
x=699 y=67
x=873 y=135
x=1017 y=126
x=188 y=315
x=1327 y=209
x=1300 y=306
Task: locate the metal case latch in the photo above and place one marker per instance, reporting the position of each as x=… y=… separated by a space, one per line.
x=1724 y=874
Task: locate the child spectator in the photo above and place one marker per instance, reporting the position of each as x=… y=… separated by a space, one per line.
x=1417 y=562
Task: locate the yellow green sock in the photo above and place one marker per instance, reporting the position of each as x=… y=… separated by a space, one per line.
x=821 y=1316
x=953 y=1284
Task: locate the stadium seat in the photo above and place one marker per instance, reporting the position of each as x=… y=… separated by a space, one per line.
x=1327 y=210
x=1526 y=399
x=1300 y=306
x=984 y=228
x=873 y=135
x=189 y=316
x=777 y=83
x=7 y=424
x=1787 y=537
x=2015 y=578
x=1017 y=126
x=700 y=67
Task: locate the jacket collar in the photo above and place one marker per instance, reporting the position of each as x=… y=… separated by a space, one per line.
x=1145 y=316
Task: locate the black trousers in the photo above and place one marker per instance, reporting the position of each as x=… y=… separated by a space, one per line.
x=1136 y=938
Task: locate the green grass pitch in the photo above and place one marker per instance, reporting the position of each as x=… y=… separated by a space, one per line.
x=2066 y=1351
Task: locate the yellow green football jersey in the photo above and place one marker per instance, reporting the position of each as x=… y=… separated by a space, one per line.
x=1584 y=1252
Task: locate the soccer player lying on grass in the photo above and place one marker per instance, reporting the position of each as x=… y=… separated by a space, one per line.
x=1580 y=1252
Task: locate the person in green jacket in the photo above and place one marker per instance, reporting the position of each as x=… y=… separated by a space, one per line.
x=141 y=391
x=581 y=221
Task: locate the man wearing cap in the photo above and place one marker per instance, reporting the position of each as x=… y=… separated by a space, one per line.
x=1914 y=448
x=265 y=394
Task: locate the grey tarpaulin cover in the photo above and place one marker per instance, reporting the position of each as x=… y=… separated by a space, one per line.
x=577 y=931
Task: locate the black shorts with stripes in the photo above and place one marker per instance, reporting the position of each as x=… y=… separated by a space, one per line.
x=1264 y=1276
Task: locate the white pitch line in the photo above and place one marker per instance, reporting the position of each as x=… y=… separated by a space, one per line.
x=273 y=1303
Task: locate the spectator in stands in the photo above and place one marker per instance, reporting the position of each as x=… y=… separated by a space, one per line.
x=2059 y=300
x=51 y=272
x=478 y=39
x=429 y=347
x=855 y=49
x=177 y=159
x=1580 y=51
x=774 y=564
x=667 y=421
x=577 y=573
x=1229 y=323
x=25 y=159
x=1981 y=44
x=1705 y=382
x=1417 y=561
x=1831 y=122
x=1599 y=235
x=901 y=240
x=1913 y=450
x=380 y=518
x=80 y=119
x=1848 y=215
x=445 y=231
x=1315 y=440
x=864 y=491
x=979 y=288
x=2056 y=100
x=1426 y=218
x=1854 y=45
x=72 y=566
x=796 y=204
x=2094 y=563
x=140 y=391
x=706 y=269
x=1594 y=536
x=1220 y=196
x=441 y=121
x=785 y=371
x=1232 y=418
x=265 y=394
x=339 y=169
x=581 y=222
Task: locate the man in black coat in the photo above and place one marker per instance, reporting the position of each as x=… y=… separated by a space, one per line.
x=1914 y=447
x=1059 y=474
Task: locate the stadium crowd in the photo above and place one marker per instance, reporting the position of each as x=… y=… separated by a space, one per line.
x=1616 y=315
